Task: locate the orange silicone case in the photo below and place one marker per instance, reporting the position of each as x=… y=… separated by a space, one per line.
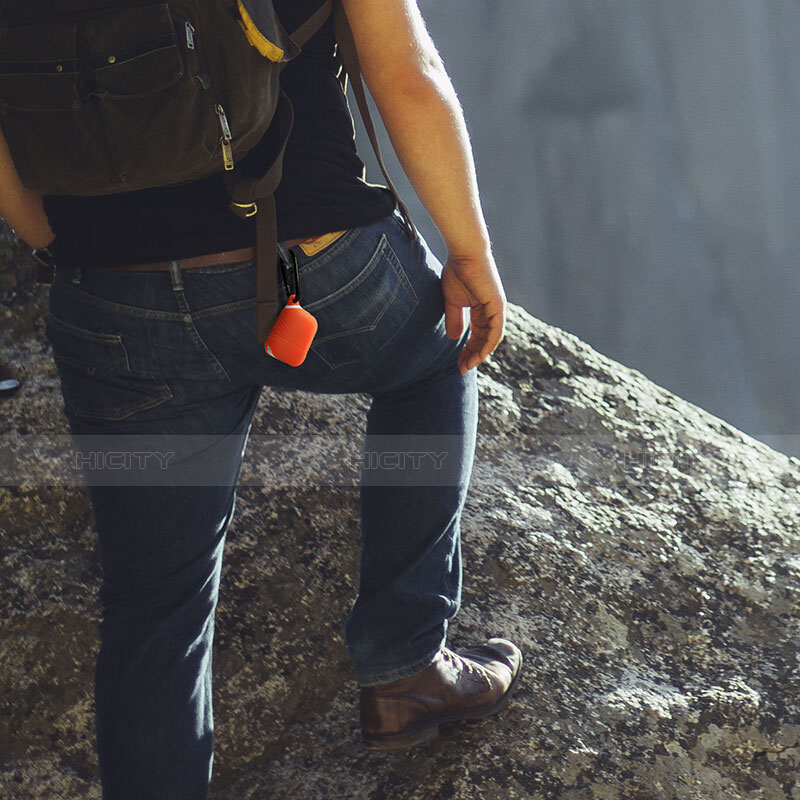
x=292 y=334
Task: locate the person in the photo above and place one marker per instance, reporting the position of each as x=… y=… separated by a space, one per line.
x=152 y=325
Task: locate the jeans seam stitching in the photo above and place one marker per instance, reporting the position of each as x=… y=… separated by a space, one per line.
x=129 y=410
x=213 y=311
x=120 y=308
x=353 y=284
x=194 y=334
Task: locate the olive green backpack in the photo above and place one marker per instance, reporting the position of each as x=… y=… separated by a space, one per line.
x=102 y=96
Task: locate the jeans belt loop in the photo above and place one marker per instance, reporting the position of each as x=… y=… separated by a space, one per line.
x=175 y=275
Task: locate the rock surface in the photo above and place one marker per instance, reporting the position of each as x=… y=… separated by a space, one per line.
x=643 y=553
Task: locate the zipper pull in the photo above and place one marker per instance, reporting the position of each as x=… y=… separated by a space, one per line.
x=227 y=155
x=189 y=35
x=223 y=121
x=227 y=150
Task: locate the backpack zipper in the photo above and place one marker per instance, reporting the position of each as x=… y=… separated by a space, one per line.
x=204 y=79
x=189 y=34
x=227 y=150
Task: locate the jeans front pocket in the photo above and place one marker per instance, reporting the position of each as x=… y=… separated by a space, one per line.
x=96 y=380
x=366 y=314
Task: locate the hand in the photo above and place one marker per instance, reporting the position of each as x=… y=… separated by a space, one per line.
x=474 y=282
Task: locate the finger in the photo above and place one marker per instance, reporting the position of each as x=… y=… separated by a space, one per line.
x=470 y=353
x=453 y=320
x=493 y=332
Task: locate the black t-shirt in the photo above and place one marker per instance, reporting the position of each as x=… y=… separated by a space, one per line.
x=322 y=189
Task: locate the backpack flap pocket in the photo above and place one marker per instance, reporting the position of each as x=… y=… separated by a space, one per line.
x=39 y=68
x=159 y=121
x=264 y=30
x=43 y=118
x=135 y=54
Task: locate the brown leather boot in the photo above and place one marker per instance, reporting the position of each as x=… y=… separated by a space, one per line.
x=471 y=683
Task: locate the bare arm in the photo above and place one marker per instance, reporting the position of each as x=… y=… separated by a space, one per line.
x=422 y=115
x=425 y=122
x=21 y=208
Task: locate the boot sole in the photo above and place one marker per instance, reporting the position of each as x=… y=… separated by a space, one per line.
x=430 y=730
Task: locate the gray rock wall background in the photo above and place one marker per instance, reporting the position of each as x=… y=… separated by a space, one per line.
x=639 y=163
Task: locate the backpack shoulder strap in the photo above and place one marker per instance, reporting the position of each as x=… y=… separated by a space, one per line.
x=351 y=67
x=304 y=32
x=250 y=196
x=246 y=192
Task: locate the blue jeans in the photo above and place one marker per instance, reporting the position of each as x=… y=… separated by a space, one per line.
x=174 y=353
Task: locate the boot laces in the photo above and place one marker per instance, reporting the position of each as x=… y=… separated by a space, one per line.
x=471 y=667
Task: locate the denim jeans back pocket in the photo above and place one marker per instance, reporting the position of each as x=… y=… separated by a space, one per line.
x=362 y=317
x=96 y=380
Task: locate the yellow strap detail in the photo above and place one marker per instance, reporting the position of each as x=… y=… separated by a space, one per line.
x=256 y=38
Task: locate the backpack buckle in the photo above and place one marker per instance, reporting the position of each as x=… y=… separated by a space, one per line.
x=247 y=205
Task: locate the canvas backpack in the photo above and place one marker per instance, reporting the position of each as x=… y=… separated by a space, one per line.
x=106 y=96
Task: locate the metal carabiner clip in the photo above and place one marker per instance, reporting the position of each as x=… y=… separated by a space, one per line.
x=285 y=274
